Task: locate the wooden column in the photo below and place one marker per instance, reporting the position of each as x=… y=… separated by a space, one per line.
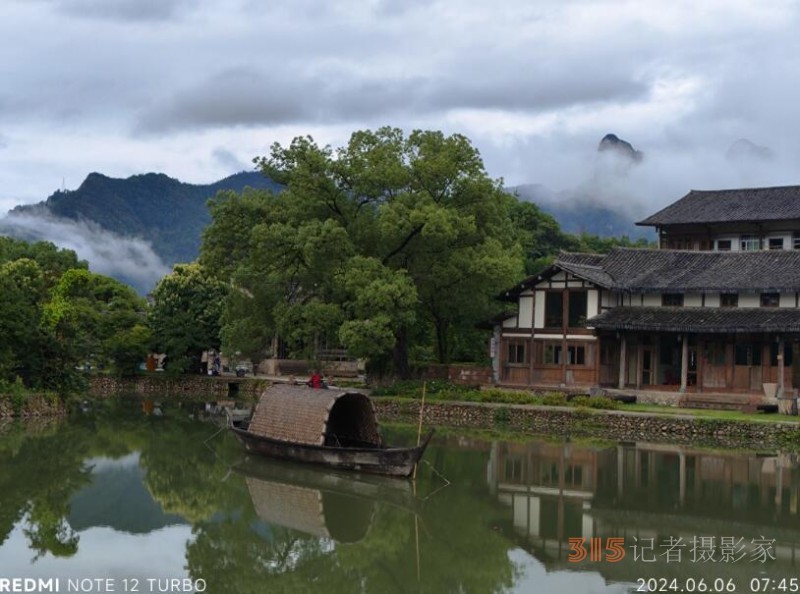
x=639 y=358
x=701 y=355
x=684 y=362
x=623 y=355
x=779 y=391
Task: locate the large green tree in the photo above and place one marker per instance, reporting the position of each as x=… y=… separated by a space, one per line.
x=57 y=315
x=94 y=318
x=389 y=245
x=185 y=315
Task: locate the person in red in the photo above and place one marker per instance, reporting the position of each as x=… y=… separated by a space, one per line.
x=315 y=381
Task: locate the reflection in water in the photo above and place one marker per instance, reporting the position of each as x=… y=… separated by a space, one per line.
x=117 y=493
x=326 y=514
x=653 y=495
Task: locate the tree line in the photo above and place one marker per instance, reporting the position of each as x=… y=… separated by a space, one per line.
x=392 y=248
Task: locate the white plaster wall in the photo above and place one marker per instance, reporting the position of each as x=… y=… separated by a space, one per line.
x=650 y=300
x=749 y=300
x=592 y=308
x=510 y=322
x=712 y=300
x=538 y=310
x=693 y=300
x=525 y=311
x=787 y=300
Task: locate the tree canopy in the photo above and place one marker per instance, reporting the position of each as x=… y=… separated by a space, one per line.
x=185 y=315
x=387 y=246
x=57 y=316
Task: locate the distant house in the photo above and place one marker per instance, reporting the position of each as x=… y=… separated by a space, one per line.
x=720 y=315
x=743 y=220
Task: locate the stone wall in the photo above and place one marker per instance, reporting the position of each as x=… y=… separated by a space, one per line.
x=183 y=385
x=34 y=405
x=615 y=425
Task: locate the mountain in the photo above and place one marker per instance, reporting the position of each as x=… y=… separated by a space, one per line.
x=612 y=142
x=169 y=214
x=578 y=213
x=600 y=205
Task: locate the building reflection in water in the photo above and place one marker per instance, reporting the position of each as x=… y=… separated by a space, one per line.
x=558 y=491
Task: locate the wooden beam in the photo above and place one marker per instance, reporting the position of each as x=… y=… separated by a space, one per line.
x=623 y=355
x=781 y=347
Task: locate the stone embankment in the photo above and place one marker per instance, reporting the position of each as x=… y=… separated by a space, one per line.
x=31 y=406
x=605 y=424
x=185 y=385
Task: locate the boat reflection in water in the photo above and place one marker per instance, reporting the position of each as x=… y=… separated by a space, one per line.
x=319 y=502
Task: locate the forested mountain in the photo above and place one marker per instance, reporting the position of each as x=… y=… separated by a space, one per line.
x=164 y=211
x=578 y=213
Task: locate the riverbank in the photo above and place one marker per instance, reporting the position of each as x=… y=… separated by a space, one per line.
x=698 y=427
x=606 y=424
x=30 y=406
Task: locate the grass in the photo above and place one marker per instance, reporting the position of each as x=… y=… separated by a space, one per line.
x=443 y=391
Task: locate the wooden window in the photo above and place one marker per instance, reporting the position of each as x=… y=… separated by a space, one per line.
x=770 y=299
x=787 y=355
x=715 y=353
x=578 y=303
x=517 y=353
x=723 y=245
x=672 y=299
x=552 y=354
x=750 y=243
x=796 y=240
x=553 y=309
x=729 y=300
x=748 y=355
x=576 y=354
x=776 y=243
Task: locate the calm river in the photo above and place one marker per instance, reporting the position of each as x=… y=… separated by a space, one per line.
x=117 y=500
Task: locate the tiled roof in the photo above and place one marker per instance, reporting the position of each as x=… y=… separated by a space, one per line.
x=668 y=271
x=722 y=206
x=698 y=319
x=585 y=266
x=637 y=270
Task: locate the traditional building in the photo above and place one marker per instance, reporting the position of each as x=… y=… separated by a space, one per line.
x=744 y=220
x=722 y=320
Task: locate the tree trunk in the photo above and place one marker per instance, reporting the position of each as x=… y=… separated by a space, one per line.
x=401 y=355
x=442 y=346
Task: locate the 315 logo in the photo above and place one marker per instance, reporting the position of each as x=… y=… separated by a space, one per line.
x=612 y=552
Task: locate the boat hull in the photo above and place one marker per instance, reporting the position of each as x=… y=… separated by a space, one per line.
x=389 y=461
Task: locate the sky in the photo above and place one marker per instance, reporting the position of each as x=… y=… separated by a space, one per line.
x=196 y=89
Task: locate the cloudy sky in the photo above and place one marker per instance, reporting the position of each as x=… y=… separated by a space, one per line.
x=197 y=88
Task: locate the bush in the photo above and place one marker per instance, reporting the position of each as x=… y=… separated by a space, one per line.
x=554 y=399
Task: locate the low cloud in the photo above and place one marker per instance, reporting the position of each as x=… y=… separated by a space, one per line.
x=128 y=259
x=124 y=10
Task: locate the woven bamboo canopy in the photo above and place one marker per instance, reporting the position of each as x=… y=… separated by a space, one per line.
x=303 y=415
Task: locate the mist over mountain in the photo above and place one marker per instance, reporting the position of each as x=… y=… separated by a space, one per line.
x=602 y=202
x=132 y=229
x=136 y=229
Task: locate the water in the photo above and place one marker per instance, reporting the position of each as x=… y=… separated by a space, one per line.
x=117 y=500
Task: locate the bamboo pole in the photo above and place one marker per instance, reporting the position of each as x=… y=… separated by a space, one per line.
x=419 y=426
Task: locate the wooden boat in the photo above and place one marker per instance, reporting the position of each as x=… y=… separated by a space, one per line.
x=333 y=428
